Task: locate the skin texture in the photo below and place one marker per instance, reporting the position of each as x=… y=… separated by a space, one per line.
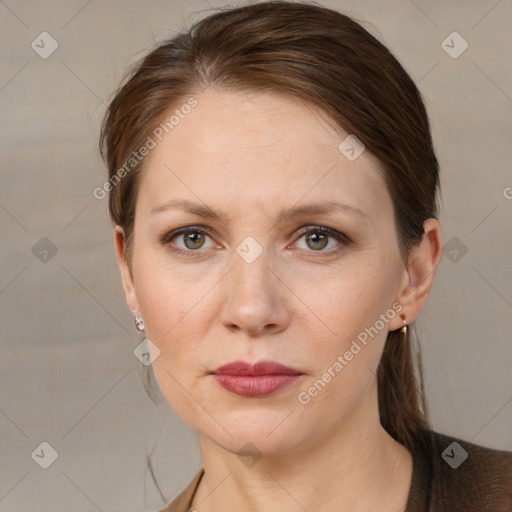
x=251 y=155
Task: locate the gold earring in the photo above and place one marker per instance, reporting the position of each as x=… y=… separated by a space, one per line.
x=403 y=330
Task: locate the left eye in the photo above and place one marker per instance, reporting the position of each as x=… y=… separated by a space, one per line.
x=317 y=238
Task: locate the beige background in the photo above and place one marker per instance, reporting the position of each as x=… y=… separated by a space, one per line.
x=67 y=372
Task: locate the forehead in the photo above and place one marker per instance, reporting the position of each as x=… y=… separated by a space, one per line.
x=258 y=150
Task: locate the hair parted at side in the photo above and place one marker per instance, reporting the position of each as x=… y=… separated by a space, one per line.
x=328 y=60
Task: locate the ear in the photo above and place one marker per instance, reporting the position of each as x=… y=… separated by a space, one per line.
x=419 y=274
x=126 y=273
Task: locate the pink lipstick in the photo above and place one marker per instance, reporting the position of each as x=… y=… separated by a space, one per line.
x=255 y=380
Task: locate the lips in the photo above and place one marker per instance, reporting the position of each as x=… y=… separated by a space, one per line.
x=255 y=380
x=259 y=368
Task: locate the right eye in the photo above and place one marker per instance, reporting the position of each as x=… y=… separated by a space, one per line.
x=192 y=237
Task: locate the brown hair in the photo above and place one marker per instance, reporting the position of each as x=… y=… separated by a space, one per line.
x=329 y=60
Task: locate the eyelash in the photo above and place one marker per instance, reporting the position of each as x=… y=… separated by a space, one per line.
x=332 y=233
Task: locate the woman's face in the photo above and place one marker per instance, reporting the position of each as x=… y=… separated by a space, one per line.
x=251 y=284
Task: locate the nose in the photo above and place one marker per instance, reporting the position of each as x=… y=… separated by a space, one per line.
x=256 y=298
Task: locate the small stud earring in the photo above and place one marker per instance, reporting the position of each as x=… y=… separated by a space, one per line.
x=403 y=330
x=139 y=323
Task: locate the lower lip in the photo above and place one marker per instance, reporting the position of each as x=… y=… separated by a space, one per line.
x=257 y=385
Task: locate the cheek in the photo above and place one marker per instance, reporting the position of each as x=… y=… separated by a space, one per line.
x=351 y=313
x=177 y=310
x=346 y=356
x=347 y=302
x=167 y=294
x=173 y=324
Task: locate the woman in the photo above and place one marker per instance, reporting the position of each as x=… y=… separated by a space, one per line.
x=273 y=186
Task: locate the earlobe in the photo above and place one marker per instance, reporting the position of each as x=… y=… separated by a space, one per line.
x=420 y=272
x=126 y=272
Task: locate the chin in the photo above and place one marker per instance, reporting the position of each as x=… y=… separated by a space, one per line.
x=257 y=432
x=255 y=445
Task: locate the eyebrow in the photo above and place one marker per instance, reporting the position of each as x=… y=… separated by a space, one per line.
x=206 y=211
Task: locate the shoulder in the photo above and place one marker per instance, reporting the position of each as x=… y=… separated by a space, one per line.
x=183 y=502
x=467 y=476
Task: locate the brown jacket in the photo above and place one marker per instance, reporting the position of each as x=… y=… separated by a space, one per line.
x=449 y=475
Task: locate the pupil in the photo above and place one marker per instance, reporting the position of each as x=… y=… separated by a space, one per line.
x=314 y=239
x=191 y=238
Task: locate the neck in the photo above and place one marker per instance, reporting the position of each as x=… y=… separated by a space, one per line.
x=357 y=468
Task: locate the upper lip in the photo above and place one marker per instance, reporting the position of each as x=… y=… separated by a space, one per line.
x=259 y=368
